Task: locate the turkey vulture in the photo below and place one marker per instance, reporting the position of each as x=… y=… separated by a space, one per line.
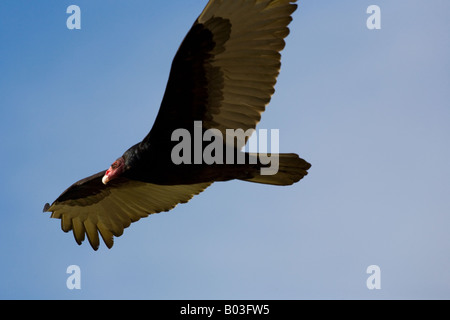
x=222 y=76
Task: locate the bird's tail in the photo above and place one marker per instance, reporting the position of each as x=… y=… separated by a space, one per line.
x=289 y=170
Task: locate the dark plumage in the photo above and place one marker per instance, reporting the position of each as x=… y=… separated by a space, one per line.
x=223 y=75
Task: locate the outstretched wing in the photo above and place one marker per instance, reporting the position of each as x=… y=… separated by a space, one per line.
x=226 y=68
x=89 y=207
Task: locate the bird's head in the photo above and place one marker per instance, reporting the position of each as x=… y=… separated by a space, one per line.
x=114 y=171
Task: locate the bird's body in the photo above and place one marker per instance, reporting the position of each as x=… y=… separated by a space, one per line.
x=221 y=79
x=157 y=167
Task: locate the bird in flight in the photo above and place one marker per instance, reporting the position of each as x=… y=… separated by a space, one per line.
x=222 y=77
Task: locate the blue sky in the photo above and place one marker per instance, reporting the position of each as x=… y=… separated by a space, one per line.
x=368 y=108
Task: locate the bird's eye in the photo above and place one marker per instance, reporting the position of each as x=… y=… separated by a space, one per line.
x=115 y=165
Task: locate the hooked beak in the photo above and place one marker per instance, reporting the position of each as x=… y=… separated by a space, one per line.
x=106 y=178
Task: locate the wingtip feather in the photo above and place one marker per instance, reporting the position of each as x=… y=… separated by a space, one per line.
x=46 y=207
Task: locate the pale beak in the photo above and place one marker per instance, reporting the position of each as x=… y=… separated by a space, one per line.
x=105 y=179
